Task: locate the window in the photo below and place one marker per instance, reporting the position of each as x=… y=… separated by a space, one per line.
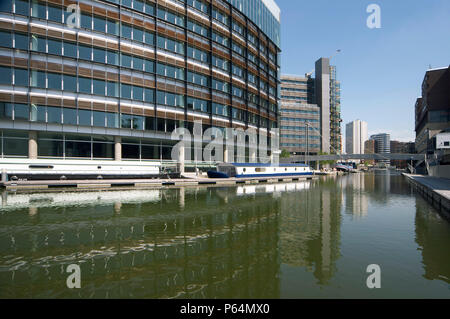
x=170 y=71
x=38 y=44
x=22 y=7
x=170 y=99
x=237 y=71
x=237 y=92
x=54 y=81
x=21 y=112
x=126 y=120
x=125 y=31
x=54 y=46
x=98 y=118
x=112 y=119
x=84 y=117
x=69 y=116
x=197 y=54
x=70 y=83
x=6 y=77
x=21 y=41
x=198 y=78
x=21 y=77
x=149 y=66
x=70 y=50
x=138 y=63
x=238 y=27
x=38 y=113
x=98 y=87
x=171 y=45
x=112 y=89
x=170 y=17
x=197 y=104
x=220 y=39
x=85 y=21
x=220 y=63
x=149 y=95
x=112 y=58
x=15 y=143
x=112 y=27
x=149 y=8
x=197 y=28
x=221 y=17
x=5 y=39
x=53 y=114
x=138 y=34
x=38 y=79
x=84 y=85
x=84 y=52
x=220 y=109
x=38 y=10
x=149 y=38
x=220 y=86
x=55 y=14
x=199 y=5
x=99 y=55
x=125 y=60
x=99 y=24
x=125 y=91
x=138 y=93
x=237 y=48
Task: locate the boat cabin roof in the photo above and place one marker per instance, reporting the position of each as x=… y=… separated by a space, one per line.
x=267 y=165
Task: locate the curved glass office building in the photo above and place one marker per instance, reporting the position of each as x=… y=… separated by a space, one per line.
x=118 y=83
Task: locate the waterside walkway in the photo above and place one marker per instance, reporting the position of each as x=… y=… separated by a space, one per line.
x=435 y=190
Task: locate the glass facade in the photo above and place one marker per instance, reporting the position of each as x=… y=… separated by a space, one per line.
x=138 y=66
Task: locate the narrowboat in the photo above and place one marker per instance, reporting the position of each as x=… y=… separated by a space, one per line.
x=248 y=170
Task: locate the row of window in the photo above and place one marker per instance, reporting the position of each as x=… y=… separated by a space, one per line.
x=294 y=90
x=300 y=111
x=89 y=53
x=73 y=116
x=297 y=128
x=296 y=98
x=15 y=143
x=298 y=145
x=93 y=22
x=80 y=84
x=313 y=137
x=299 y=120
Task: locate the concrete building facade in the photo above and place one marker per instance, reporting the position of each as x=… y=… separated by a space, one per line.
x=315 y=101
x=432 y=109
x=355 y=137
x=382 y=145
x=297 y=115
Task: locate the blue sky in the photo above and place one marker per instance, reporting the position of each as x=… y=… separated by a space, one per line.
x=381 y=70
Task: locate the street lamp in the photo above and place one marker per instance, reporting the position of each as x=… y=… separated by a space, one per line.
x=307 y=142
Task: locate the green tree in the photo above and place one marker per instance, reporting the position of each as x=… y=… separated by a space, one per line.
x=331 y=162
x=285 y=154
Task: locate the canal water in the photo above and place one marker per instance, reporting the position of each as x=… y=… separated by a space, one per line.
x=311 y=239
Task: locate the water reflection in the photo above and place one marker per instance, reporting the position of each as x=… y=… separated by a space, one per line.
x=310 y=229
x=433 y=237
x=161 y=243
x=203 y=242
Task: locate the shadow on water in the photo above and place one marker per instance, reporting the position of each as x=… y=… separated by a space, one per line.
x=199 y=242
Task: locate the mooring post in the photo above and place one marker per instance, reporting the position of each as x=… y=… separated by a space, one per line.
x=4 y=176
